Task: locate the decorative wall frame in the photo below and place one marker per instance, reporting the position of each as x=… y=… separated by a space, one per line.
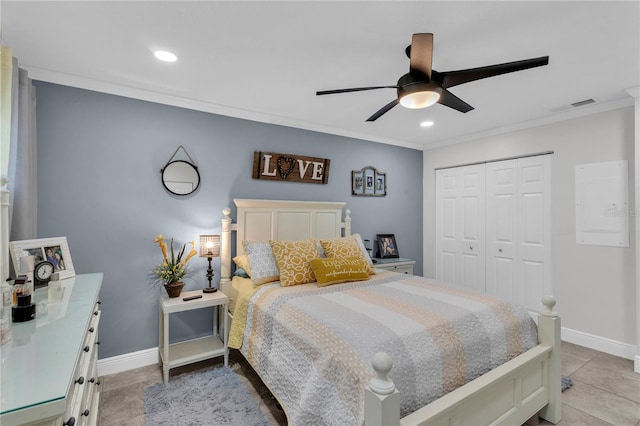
x=55 y=250
x=290 y=167
x=368 y=181
x=387 y=247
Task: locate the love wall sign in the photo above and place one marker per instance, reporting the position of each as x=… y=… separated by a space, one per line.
x=290 y=167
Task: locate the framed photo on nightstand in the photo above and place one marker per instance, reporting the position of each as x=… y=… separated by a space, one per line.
x=387 y=247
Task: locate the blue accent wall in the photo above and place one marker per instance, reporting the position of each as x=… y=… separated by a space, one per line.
x=99 y=161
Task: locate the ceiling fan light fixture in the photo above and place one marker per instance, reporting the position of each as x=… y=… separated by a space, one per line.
x=417 y=100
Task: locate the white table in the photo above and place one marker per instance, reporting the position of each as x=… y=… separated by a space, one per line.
x=189 y=351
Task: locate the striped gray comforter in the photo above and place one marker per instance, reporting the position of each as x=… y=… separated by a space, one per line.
x=313 y=346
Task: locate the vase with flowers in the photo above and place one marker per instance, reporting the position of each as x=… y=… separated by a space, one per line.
x=172 y=269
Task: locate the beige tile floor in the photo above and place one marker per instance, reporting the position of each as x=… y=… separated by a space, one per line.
x=605 y=391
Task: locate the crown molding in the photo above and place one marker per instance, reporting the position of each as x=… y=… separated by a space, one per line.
x=555 y=118
x=49 y=76
x=197 y=105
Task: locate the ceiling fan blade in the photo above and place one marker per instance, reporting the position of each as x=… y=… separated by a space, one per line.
x=421 y=55
x=453 y=78
x=355 y=89
x=452 y=101
x=383 y=110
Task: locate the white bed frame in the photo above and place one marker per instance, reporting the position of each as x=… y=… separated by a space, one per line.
x=509 y=395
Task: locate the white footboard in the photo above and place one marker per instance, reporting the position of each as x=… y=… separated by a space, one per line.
x=509 y=394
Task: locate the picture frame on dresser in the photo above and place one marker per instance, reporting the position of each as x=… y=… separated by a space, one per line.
x=55 y=250
x=387 y=247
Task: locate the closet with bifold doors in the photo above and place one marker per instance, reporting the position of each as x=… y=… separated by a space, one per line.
x=493 y=228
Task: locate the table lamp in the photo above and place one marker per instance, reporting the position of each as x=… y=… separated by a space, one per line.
x=209 y=248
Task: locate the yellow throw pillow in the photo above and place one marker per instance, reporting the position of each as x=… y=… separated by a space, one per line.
x=339 y=270
x=242 y=261
x=346 y=247
x=292 y=258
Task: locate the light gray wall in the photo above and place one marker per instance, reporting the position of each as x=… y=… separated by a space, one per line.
x=99 y=160
x=594 y=285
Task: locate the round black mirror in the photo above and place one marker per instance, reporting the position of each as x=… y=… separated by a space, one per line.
x=180 y=177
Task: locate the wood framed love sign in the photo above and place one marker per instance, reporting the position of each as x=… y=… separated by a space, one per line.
x=290 y=167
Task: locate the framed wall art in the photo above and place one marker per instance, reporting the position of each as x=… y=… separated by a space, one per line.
x=368 y=181
x=55 y=250
x=387 y=247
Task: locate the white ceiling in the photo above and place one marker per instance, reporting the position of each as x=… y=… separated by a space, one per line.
x=265 y=60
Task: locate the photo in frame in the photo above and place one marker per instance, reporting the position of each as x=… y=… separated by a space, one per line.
x=55 y=250
x=368 y=181
x=387 y=247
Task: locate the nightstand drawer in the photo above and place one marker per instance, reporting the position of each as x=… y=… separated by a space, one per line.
x=401 y=269
x=400 y=265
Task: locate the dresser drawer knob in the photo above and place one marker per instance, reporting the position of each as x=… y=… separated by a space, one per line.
x=85 y=413
x=97 y=342
x=95 y=313
x=80 y=380
x=92 y=380
x=86 y=349
x=91 y=330
x=70 y=422
x=98 y=302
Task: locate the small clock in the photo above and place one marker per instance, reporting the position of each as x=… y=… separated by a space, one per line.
x=42 y=273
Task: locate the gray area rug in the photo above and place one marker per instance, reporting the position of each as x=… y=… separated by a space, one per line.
x=566 y=383
x=212 y=397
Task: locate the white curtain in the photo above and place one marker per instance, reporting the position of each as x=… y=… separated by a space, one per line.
x=22 y=171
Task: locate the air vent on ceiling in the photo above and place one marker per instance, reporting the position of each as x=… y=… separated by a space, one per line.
x=581 y=103
x=573 y=105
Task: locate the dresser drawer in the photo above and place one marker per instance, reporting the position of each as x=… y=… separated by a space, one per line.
x=85 y=377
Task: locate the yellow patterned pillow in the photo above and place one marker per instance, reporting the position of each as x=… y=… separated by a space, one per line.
x=292 y=258
x=242 y=261
x=346 y=247
x=335 y=270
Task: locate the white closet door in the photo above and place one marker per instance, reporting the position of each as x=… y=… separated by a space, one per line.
x=502 y=207
x=534 y=230
x=493 y=228
x=460 y=211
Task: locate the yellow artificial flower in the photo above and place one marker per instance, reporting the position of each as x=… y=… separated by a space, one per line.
x=172 y=269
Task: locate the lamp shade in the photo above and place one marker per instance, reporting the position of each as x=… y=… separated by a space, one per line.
x=209 y=245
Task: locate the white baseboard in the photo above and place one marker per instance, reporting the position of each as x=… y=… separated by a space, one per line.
x=120 y=363
x=124 y=362
x=602 y=344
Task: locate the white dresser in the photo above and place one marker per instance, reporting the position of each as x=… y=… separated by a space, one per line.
x=49 y=369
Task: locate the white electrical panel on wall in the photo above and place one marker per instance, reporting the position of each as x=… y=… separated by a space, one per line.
x=602 y=204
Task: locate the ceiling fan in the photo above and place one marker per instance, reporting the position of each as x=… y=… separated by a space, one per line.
x=423 y=86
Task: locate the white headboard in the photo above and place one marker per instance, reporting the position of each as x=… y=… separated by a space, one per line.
x=264 y=220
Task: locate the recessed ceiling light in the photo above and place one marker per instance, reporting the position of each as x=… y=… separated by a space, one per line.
x=427 y=123
x=165 y=56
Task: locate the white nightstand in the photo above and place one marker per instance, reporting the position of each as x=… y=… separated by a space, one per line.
x=403 y=266
x=186 y=352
